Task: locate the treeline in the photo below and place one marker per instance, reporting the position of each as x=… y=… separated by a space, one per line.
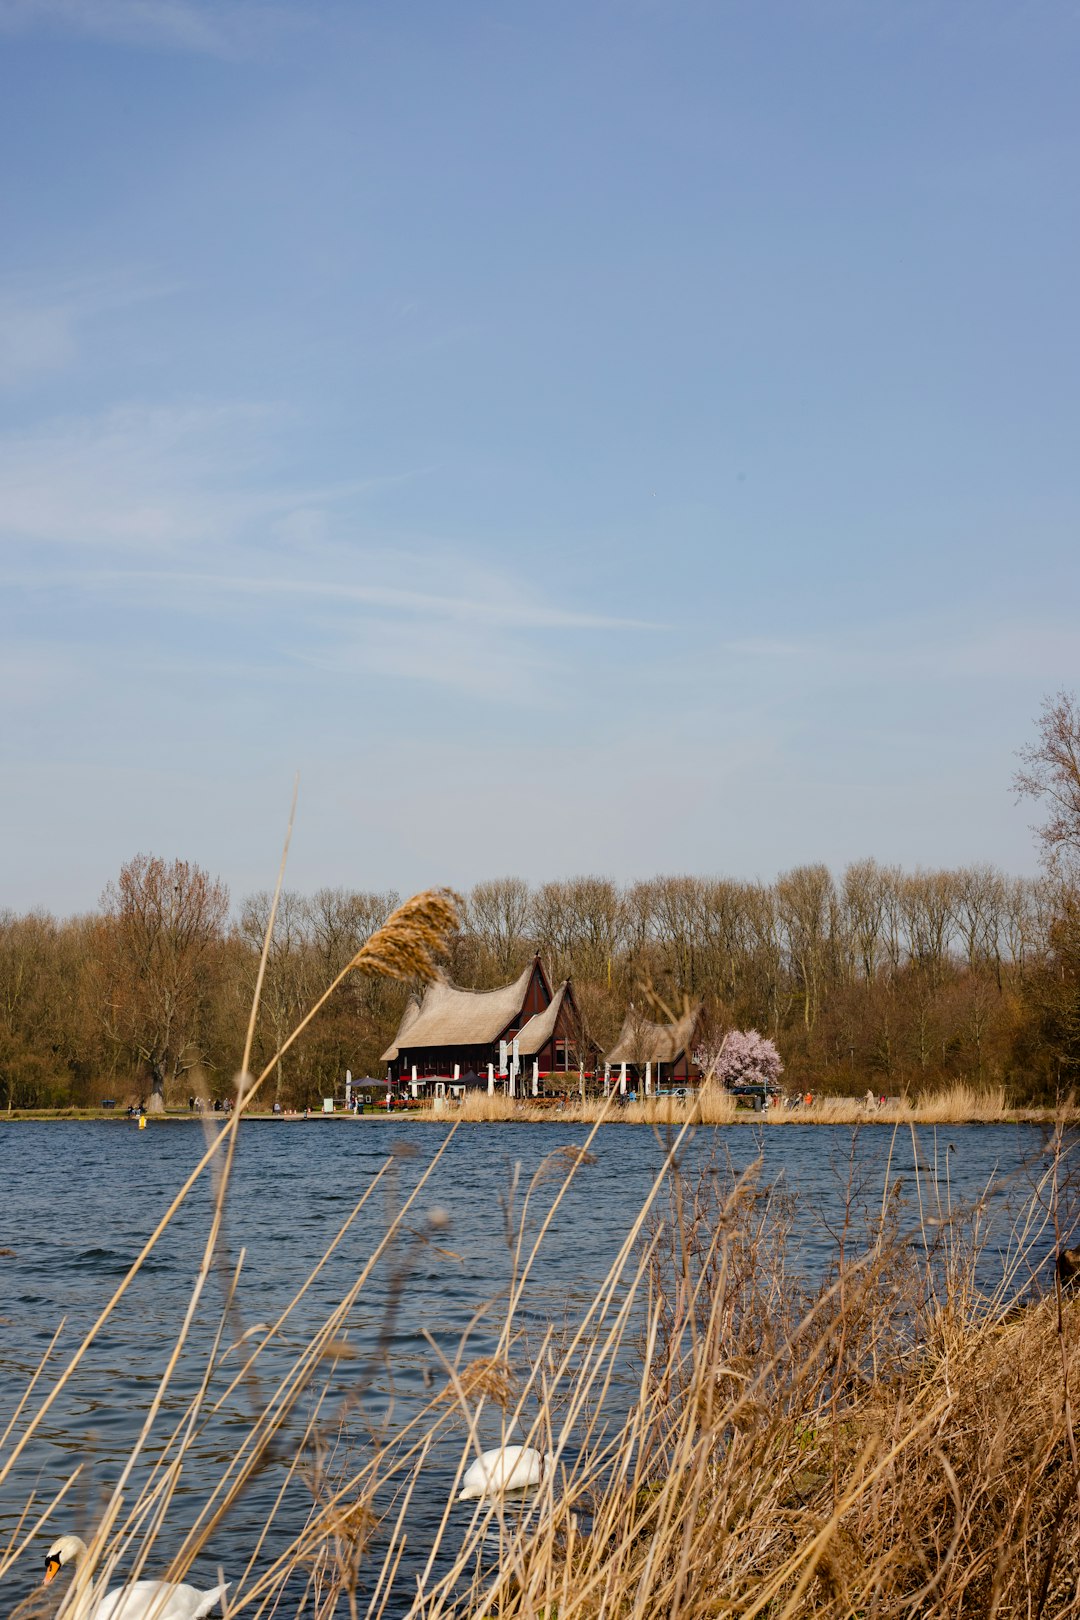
x=905 y=980
x=899 y=980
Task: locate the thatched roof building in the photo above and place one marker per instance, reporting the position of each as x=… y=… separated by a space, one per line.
x=450 y=1027
x=666 y=1048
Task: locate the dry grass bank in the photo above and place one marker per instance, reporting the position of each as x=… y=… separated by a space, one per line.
x=714 y=1107
x=959 y=1105
x=478 y=1105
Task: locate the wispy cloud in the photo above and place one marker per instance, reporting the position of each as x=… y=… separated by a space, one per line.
x=503 y=669
x=218 y=29
x=987 y=642
x=41 y=330
x=177 y=515
x=34 y=338
x=140 y=486
x=142 y=477
x=520 y=608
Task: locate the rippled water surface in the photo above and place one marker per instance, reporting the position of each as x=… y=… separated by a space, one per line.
x=78 y=1199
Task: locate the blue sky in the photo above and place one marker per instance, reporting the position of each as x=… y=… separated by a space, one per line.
x=620 y=436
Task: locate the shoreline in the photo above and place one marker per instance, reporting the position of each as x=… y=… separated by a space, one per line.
x=843 y=1112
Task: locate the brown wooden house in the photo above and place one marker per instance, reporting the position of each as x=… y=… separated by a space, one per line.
x=451 y=1031
x=665 y=1050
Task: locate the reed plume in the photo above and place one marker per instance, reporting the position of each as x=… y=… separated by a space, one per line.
x=412 y=939
x=489 y=1376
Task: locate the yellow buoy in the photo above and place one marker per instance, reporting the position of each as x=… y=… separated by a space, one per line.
x=142 y=1122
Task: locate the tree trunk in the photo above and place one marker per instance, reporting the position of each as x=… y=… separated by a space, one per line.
x=156 y=1104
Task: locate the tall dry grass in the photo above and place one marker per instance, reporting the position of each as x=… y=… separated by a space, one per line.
x=960 y=1104
x=893 y=1439
x=711 y=1107
x=478 y=1105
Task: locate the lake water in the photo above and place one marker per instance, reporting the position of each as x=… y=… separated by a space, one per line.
x=78 y=1199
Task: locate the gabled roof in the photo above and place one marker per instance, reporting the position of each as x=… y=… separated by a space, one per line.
x=447 y=1016
x=541 y=1026
x=642 y=1042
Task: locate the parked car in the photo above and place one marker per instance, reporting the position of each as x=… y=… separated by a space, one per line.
x=108 y=1102
x=756 y=1093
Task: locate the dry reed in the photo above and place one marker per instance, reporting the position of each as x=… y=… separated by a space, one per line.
x=413 y=938
x=960 y=1104
x=477 y=1105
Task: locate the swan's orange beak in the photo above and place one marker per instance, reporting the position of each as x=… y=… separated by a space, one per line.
x=52 y=1568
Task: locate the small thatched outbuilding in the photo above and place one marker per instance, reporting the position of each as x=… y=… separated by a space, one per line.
x=666 y=1048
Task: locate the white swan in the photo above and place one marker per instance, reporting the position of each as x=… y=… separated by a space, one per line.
x=142 y=1600
x=507 y=1468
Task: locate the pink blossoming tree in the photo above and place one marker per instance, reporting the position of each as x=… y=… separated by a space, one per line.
x=743 y=1058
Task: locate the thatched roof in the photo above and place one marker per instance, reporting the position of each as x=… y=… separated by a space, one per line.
x=408 y=1019
x=541 y=1026
x=447 y=1016
x=642 y=1042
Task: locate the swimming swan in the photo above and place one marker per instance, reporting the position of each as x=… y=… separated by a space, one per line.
x=507 y=1468
x=142 y=1600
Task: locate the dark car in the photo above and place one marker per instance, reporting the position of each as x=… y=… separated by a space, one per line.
x=108 y=1102
x=755 y=1094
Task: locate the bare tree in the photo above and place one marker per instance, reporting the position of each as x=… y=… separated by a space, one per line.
x=162 y=922
x=978 y=908
x=339 y=921
x=1051 y=774
x=725 y=934
x=765 y=934
x=927 y=900
x=497 y=912
x=863 y=899
x=552 y=924
x=806 y=899
x=1021 y=929
x=594 y=906
x=639 y=923
x=284 y=995
x=33 y=993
